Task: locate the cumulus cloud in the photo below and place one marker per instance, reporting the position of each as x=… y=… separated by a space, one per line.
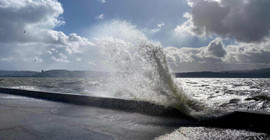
x=27 y=33
x=100 y=17
x=244 y=20
x=216 y=48
x=214 y=52
x=185 y=28
x=216 y=56
x=101 y=1
x=159 y=26
x=248 y=53
x=23 y=20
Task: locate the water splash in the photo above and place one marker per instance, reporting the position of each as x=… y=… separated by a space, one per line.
x=138 y=68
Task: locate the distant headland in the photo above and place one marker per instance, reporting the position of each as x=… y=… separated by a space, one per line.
x=51 y=73
x=258 y=73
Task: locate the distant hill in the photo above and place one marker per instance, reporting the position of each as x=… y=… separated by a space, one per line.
x=52 y=73
x=66 y=73
x=259 y=73
x=17 y=73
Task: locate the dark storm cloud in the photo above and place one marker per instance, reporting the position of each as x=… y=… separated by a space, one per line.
x=244 y=20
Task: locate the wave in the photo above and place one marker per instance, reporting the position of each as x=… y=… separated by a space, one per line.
x=260 y=97
x=33 y=88
x=138 y=68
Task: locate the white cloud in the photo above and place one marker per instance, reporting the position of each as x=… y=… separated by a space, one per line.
x=24 y=20
x=185 y=29
x=218 y=57
x=101 y=1
x=244 y=20
x=159 y=26
x=100 y=17
x=248 y=53
x=27 y=34
x=214 y=52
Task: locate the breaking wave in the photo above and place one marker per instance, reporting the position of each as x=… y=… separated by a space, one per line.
x=138 y=68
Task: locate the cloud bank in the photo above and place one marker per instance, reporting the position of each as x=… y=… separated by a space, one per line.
x=101 y=1
x=243 y=20
x=218 y=57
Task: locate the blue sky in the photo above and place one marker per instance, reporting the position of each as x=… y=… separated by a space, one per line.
x=81 y=15
x=196 y=35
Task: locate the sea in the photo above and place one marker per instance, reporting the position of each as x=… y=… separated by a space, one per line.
x=229 y=94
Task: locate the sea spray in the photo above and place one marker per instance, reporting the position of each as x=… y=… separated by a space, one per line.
x=138 y=68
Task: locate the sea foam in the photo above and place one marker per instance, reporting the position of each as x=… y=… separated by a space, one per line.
x=138 y=68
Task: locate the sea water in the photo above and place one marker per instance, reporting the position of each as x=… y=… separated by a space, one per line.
x=225 y=93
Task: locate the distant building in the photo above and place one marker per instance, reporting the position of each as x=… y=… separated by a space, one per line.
x=42 y=73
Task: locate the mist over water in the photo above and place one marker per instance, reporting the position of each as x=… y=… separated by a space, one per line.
x=138 y=68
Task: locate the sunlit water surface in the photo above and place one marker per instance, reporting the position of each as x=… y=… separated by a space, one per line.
x=227 y=94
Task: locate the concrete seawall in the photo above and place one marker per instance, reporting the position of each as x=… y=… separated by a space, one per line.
x=110 y=103
x=249 y=120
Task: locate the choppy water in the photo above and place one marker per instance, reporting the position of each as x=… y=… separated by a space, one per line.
x=227 y=94
x=89 y=86
x=202 y=133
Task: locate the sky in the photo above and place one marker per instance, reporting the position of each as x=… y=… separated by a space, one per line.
x=196 y=35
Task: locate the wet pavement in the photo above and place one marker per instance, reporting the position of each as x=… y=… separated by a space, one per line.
x=29 y=118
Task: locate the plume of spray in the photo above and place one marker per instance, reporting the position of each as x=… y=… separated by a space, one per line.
x=138 y=68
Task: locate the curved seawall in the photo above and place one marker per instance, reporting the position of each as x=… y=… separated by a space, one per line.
x=248 y=120
x=110 y=103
